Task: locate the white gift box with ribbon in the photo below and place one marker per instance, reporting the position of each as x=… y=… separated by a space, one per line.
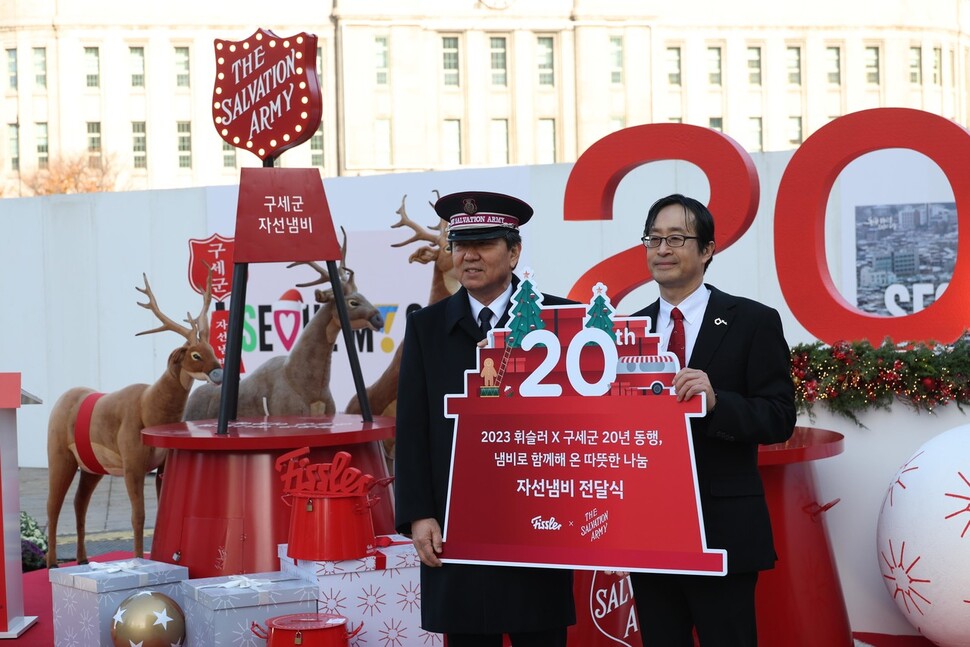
x=381 y=591
x=86 y=597
x=221 y=610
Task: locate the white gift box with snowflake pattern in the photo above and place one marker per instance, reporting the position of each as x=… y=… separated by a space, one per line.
x=382 y=592
x=220 y=611
x=86 y=597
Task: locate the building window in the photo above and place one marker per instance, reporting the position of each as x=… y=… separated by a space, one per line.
x=793 y=61
x=451 y=142
x=94 y=144
x=673 y=65
x=546 y=141
x=381 y=58
x=92 y=67
x=139 y=145
x=382 y=143
x=755 y=134
x=182 y=78
x=316 y=147
x=136 y=64
x=184 y=129
x=937 y=66
x=43 y=152
x=916 y=65
x=675 y=120
x=40 y=67
x=13 y=136
x=12 y=69
x=833 y=65
x=449 y=60
x=795 y=130
x=498 y=141
x=754 y=66
x=617 y=123
x=714 y=65
x=716 y=123
x=616 y=60
x=872 y=65
x=546 y=57
x=319 y=60
x=229 y=155
x=499 y=61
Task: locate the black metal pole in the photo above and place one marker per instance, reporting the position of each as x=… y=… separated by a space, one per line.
x=229 y=400
x=230 y=370
x=338 y=291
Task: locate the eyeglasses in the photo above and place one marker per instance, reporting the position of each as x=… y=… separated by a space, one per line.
x=675 y=240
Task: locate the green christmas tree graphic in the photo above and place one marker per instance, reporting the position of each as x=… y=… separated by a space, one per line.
x=601 y=312
x=525 y=313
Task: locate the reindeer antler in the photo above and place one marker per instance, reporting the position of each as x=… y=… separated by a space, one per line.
x=420 y=233
x=324 y=274
x=200 y=324
x=167 y=324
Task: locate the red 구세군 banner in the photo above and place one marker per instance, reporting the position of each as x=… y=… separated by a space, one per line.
x=571 y=420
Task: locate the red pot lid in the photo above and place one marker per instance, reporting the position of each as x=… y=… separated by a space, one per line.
x=306 y=621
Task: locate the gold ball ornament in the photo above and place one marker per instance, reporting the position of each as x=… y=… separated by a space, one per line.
x=148 y=619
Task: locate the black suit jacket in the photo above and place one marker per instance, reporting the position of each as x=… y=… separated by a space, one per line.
x=748 y=362
x=439 y=345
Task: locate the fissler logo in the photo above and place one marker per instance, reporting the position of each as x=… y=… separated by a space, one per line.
x=538 y=523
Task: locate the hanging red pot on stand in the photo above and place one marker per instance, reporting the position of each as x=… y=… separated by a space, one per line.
x=330 y=519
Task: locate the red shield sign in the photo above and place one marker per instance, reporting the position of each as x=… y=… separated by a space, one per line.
x=216 y=252
x=266 y=96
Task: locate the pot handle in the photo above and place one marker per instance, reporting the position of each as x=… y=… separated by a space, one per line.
x=351 y=634
x=257 y=629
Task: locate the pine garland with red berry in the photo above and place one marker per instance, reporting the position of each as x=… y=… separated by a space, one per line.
x=849 y=378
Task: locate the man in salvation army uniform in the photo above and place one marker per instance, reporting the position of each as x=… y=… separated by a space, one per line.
x=733 y=350
x=474 y=605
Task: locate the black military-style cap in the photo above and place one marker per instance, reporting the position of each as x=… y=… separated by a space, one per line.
x=480 y=215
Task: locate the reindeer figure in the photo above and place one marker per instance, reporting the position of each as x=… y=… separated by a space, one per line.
x=298 y=383
x=101 y=433
x=382 y=394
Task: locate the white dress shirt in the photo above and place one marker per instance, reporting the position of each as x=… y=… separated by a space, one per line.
x=497 y=306
x=693 y=309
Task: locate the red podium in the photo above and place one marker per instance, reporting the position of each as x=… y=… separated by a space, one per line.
x=800 y=602
x=12 y=619
x=222 y=510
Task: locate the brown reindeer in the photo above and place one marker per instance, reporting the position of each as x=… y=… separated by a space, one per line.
x=382 y=394
x=108 y=440
x=297 y=383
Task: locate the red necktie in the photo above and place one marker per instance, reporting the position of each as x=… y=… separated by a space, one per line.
x=677 y=344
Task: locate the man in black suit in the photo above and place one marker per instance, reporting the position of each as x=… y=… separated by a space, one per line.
x=737 y=355
x=473 y=605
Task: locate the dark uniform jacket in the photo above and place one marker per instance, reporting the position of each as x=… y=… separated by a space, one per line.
x=439 y=345
x=742 y=349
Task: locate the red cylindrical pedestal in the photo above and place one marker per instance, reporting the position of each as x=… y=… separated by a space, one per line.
x=221 y=510
x=800 y=601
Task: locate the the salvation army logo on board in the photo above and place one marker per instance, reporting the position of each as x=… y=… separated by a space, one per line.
x=266 y=96
x=613 y=611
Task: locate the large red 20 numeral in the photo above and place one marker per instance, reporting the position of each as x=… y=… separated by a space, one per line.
x=800 y=224
x=596 y=174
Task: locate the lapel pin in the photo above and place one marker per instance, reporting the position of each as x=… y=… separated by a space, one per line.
x=720 y=322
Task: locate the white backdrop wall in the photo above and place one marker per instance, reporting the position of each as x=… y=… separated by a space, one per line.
x=69 y=266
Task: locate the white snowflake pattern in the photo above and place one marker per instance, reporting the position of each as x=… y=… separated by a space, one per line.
x=393 y=634
x=429 y=638
x=391 y=573
x=243 y=635
x=409 y=597
x=371 y=600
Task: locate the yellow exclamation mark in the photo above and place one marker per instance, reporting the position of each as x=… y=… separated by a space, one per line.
x=387 y=344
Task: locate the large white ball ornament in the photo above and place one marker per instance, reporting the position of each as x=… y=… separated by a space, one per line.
x=924 y=539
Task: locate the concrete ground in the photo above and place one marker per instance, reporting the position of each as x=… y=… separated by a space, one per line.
x=108 y=519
